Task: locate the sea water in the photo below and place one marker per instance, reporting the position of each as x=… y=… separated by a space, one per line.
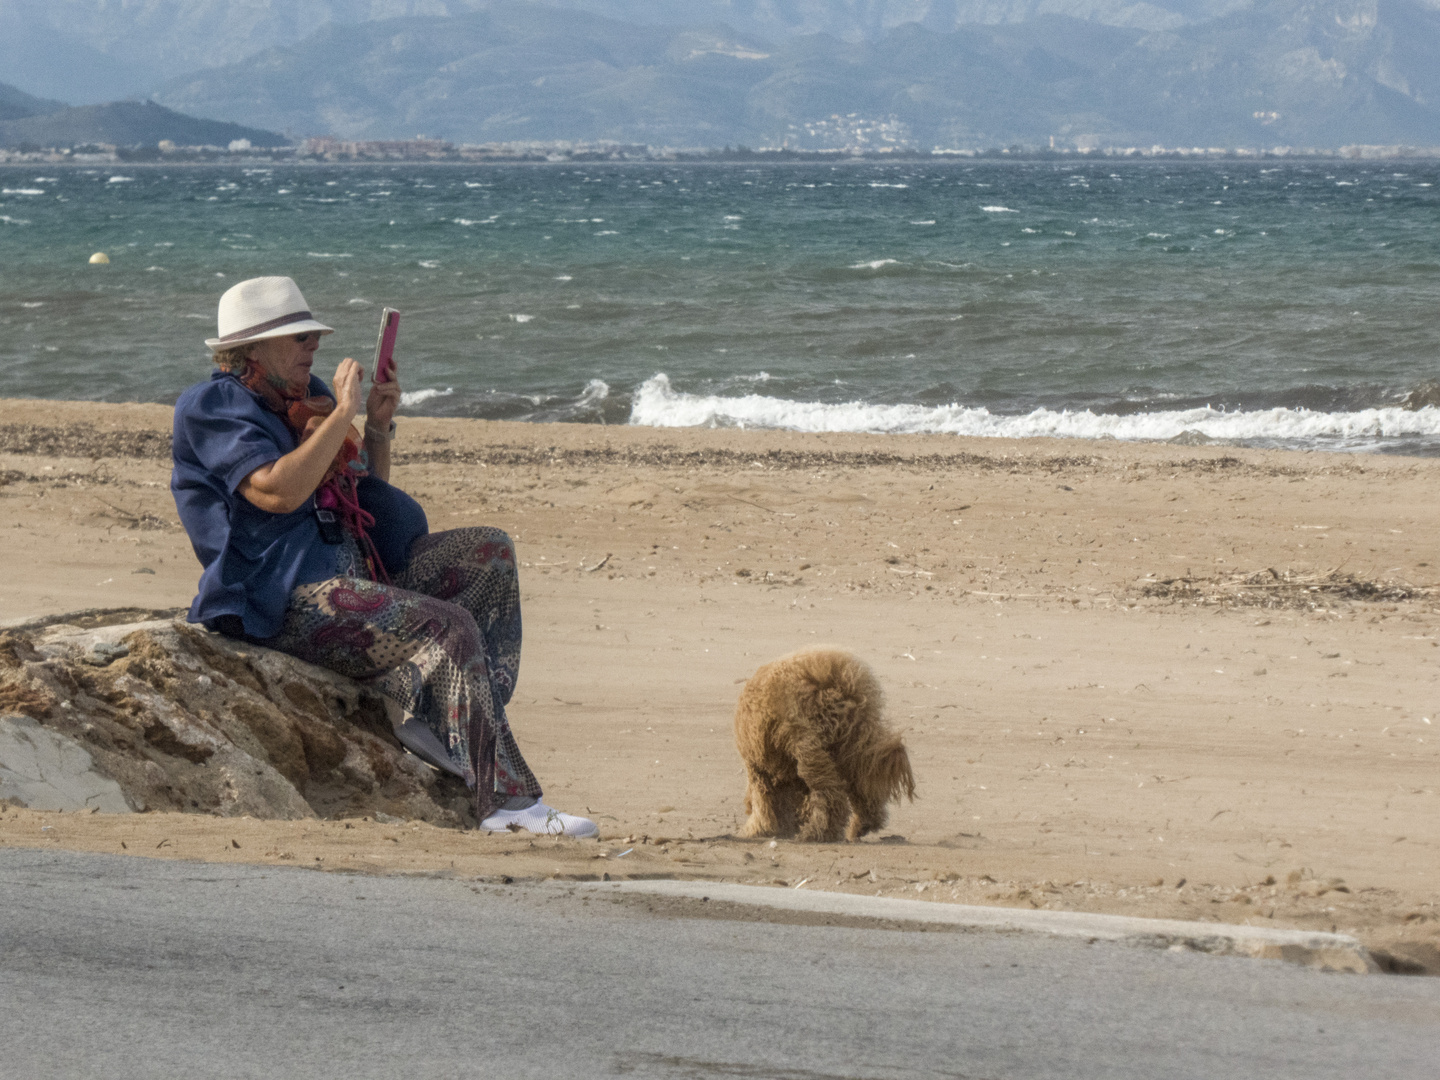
x=1268 y=303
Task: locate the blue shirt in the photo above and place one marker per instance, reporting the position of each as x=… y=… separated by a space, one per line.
x=252 y=558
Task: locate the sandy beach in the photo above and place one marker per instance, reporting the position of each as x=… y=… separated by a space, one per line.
x=1151 y=679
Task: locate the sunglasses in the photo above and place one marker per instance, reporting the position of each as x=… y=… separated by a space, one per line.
x=301 y=339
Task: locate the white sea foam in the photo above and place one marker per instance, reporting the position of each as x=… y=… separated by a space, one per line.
x=121 y=180
x=415 y=397
x=22 y=191
x=874 y=265
x=998 y=210
x=329 y=254
x=658 y=404
x=8 y=220
x=522 y=318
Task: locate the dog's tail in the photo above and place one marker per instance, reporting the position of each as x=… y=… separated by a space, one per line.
x=892 y=771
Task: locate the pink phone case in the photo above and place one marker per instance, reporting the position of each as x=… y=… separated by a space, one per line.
x=385 y=346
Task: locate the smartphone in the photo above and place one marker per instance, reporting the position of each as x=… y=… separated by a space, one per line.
x=385 y=346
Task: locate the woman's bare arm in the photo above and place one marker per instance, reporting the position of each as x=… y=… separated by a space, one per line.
x=377 y=450
x=283 y=485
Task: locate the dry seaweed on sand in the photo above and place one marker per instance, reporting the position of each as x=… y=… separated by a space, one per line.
x=1271 y=588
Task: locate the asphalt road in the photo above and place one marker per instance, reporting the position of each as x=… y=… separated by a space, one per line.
x=115 y=968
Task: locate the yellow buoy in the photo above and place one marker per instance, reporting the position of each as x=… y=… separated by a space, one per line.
x=100 y=258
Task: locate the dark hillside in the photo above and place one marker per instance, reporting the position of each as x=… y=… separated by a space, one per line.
x=15 y=104
x=127 y=123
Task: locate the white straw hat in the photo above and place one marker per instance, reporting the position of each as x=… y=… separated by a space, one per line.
x=263 y=307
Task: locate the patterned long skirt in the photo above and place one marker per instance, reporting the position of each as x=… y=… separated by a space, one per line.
x=442 y=643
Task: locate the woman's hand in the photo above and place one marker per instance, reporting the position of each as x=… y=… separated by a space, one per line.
x=384 y=399
x=349 y=377
x=380 y=409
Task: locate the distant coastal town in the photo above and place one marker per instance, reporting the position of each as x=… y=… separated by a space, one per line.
x=331 y=150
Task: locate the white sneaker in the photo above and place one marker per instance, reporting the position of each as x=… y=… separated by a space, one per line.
x=540 y=819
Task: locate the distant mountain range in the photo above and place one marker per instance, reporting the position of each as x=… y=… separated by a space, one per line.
x=30 y=121
x=90 y=50
x=810 y=74
x=1287 y=72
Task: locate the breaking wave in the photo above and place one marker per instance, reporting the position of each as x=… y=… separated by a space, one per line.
x=658 y=404
x=417 y=397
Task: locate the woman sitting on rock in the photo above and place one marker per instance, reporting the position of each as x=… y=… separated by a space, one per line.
x=306 y=548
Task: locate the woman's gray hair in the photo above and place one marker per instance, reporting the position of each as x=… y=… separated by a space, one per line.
x=232 y=359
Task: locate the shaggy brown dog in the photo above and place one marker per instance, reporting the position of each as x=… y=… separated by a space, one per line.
x=816 y=748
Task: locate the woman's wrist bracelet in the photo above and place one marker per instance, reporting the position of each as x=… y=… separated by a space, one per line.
x=381 y=433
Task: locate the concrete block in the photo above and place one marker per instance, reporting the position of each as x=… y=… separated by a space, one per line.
x=1327 y=952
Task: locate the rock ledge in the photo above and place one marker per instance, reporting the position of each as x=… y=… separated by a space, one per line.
x=185 y=720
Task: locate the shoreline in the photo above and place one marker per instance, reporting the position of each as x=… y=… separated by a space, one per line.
x=940 y=447
x=1117 y=665
x=134 y=439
